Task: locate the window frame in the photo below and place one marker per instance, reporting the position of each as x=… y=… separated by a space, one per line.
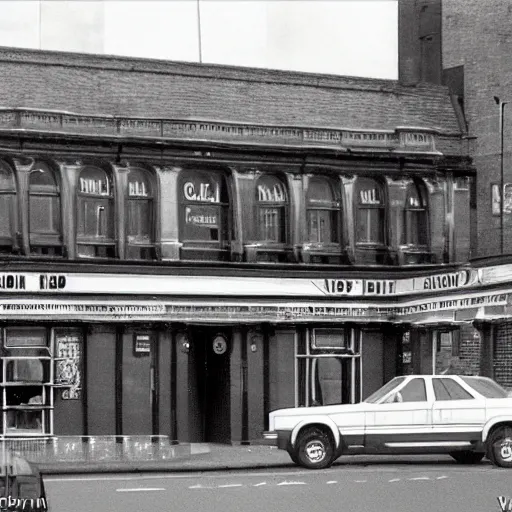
x=382 y=207
x=282 y=206
x=134 y=246
x=408 y=227
x=45 y=243
x=332 y=206
x=13 y=193
x=98 y=242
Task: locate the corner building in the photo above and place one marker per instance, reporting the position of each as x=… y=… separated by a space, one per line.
x=187 y=247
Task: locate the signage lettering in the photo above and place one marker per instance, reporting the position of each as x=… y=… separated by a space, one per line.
x=202 y=193
x=442 y=282
x=201 y=219
x=52 y=282
x=12 y=282
x=276 y=194
x=369 y=197
x=338 y=285
x=379 y=287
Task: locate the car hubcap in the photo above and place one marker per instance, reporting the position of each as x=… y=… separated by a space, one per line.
x=315 y=450
x=505 y=448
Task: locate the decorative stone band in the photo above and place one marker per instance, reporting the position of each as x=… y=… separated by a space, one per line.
x=402 y=139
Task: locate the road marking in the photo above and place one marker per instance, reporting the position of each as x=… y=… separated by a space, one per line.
x=360 y=481
x=231 y=485
x=199 y=486
x=332 y=482
x=291 y=483
x=394 y=480
x=141 y=489
x=419 y=478
x=441 y=477
x=260 y=484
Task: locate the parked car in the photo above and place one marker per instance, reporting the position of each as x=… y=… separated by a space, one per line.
x=466 y=417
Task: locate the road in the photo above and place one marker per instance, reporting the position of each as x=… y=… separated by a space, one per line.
x=376 y=487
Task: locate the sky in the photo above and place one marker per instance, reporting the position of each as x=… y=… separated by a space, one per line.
x=343 y=37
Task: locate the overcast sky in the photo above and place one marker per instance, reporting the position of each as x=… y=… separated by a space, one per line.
x=346 y=37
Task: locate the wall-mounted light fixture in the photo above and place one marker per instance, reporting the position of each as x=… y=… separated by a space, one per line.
x=182 y=342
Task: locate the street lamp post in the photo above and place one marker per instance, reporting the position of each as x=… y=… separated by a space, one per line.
x=501 y=105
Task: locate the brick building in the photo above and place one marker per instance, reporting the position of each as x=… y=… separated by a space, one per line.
x=467 y=45
x=226 y=241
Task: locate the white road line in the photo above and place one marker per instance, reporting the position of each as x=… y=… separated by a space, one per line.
x=141 y=489
x=441 y=477
x=260 y=484
x=199 y=486
x=332 y=482
x=394 y=480
x=419 y=478
x=231 y=485
x=291 y=483
x=360 y=481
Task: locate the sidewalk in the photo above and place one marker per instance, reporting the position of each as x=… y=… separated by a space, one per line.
x=214 y=457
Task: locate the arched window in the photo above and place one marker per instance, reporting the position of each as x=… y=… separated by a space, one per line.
x=96 y=220
x=370 y=212
x=8 y=209
x=204 y=216
x=415 y=230
x=45 y=226
x=272 y=205
x=140 y=220
x=323 y=212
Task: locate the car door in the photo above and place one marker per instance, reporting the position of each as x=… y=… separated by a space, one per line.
x=458 y=416
x=402 y=421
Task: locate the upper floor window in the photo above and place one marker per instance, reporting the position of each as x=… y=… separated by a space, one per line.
x=204 y=215
x=323 y=212
x=415 y=230
x=45 y=227
x=96 y=220
x=8 y=209
x=140 y=215
x=370 y=212
x=272 y=205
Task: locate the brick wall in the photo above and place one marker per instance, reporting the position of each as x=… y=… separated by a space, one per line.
x=478 y=35
x=503 y=354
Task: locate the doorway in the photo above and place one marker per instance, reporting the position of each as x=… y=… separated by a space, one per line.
x=212 y=349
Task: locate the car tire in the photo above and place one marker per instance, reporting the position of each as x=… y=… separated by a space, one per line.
x=468 y=457
x=315 y=449
x=293 y=456
x=499 y=447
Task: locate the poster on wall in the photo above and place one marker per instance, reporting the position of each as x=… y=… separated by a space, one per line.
x=495 y=199
x=507 y=198
x=68 y=356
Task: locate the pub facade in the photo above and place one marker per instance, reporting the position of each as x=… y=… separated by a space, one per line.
x=185 y=248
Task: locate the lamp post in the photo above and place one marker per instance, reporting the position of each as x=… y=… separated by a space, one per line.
x=501 y=105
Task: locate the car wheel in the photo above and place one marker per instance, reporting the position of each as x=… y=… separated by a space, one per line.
x=468 y=457
x=499 y=447
x=315 y=449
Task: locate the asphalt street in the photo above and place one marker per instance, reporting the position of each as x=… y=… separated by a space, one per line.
x=375 y=487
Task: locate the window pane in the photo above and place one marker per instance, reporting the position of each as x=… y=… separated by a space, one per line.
x=327 y=381
x=414 y=391
x=42 y=179
x=5 y=215
x=270 y=190
x=447 y=389
x=95 y=218
x=140 y=221
x=201 y=222
x=320 y=192
x=6 y=178
x=94 y=181
x=486 y=387
x=139 y=184
x=370 y=225
x=24 y=370
x=384 y=390
x=44 y=214
x=322 y=226
x=271 y=224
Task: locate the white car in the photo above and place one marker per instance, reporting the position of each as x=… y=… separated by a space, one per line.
x=466 y=417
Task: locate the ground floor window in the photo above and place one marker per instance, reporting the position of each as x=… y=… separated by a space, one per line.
x=328 y=364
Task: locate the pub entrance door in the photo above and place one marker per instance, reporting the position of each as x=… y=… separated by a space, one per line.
x=212 y=359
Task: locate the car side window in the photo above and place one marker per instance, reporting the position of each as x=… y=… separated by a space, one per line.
x=448 y=389
x=413 y=391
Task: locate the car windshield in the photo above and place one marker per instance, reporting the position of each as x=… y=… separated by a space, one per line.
x=384 y=390
x=486 y=387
